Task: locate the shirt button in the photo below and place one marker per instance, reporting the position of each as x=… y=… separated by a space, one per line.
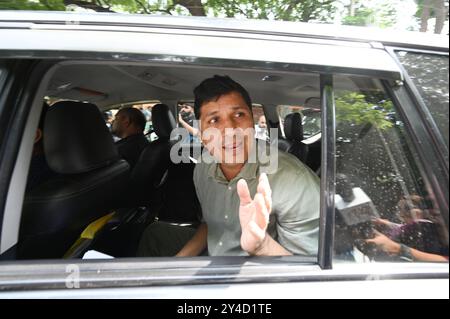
x=226 y=216
x=220 y=244
x=230 y=188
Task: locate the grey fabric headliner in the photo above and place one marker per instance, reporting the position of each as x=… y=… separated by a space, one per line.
x=107 y=85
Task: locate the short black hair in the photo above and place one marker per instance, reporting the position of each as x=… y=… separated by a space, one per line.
x=213 y=88
x=136 y=116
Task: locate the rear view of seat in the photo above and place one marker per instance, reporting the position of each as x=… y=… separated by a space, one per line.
x=151 y=167
x=180 y=204
x=293 y=130
x=90 y=178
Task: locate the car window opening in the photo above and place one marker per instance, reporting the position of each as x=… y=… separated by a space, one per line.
x=134 y=200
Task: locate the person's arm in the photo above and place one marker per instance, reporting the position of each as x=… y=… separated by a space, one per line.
x=422 y=256
x=196 y=244
x=395 y=249
x=385 y=223
x=190 y=129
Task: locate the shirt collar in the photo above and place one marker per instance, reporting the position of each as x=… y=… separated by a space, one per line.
x=248 y=172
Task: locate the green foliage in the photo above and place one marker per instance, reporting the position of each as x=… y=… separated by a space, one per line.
x=380 y=13
x=291 y=10
x=33 y=5
x=369 y=13
x=363 y=17
x=356 y=108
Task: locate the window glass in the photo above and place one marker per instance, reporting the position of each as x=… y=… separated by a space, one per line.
x=383 y=207
x=429 y=72
x=309 y=149
x=310 y=116
x=260 y=121
x=108 y=116
x=186 y=120
x=145 y=107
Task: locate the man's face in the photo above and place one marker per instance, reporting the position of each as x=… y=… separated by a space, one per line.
x=227 y=128
x=262 y=122
x=187 y=108
x=119 y=124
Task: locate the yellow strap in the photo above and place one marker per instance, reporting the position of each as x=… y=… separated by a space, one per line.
x=95 y=226
x=89 y=232
x=71 y=250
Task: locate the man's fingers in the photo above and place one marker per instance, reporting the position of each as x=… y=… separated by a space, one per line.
x=263 y=184
x=261 y=214
x=265 y=190
x=243 y=192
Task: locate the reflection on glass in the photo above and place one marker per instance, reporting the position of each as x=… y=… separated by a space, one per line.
x=385 y=211
x=429 y=72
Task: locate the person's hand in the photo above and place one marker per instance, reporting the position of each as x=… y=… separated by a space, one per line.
x=384 y=243
x=254 y=214
x=180 y=118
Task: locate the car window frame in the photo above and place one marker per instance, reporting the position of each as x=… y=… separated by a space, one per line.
x=328 y=172
x=431 y=125
x=425 y=129
x=418 y=131
x=24 y=92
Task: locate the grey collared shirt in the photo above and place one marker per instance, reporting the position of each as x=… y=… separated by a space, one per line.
x=294 y=220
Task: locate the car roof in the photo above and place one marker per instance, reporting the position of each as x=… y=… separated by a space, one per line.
x=265 y=27
x=347 y=50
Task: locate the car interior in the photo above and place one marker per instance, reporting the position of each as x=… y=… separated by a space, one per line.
x=95 y=200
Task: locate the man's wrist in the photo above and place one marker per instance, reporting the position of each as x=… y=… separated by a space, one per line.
x=261 y=250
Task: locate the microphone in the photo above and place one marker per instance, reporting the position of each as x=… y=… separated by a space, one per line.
x=357 y=211
x=353 y=204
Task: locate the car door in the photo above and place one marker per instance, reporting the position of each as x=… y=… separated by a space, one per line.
x=294 y=276
x=426 y=83
x=18 y=91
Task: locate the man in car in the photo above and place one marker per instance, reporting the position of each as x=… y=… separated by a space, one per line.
x=128 y=125
x=186 y=118
x=245 y=212
x=261 y=129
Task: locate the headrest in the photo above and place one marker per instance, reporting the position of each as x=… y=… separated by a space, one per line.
x=76 y=138
x=163 y=121
x=293 y=128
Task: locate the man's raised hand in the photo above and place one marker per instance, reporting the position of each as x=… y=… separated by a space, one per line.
x=254 y=214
